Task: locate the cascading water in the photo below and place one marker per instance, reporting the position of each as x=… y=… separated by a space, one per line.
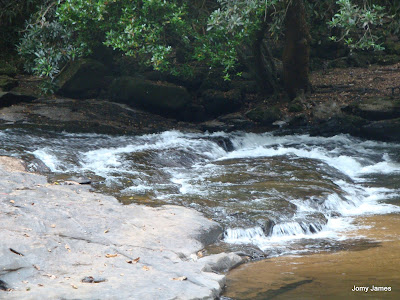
x=272 y=192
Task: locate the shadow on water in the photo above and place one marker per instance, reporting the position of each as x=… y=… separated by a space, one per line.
x=271 y=294
x=370 y=261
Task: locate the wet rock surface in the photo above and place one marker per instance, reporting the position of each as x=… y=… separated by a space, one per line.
x=7 y=83
x=97 y=116
x=82 y=79
x=65 y=242
x=12 y=98
x=341 y=103
x=372 y=118
x=161 y=97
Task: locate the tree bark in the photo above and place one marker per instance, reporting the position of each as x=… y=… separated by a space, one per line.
x=296 y=54
x=264 y=65
x=259 y=61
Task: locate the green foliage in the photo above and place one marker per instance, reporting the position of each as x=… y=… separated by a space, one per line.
x=147 y=30
x=46 y=48
x=12 y=18
x=234 y=24
x=168 y=35
x=357 y=25
x=393 y=8
x=11 y=11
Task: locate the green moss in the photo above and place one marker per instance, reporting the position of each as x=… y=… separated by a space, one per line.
x=216 y=102
x=264 y=115
x=294 y=107
x=83 y=78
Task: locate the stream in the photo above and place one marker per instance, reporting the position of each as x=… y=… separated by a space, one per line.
x=274 y=195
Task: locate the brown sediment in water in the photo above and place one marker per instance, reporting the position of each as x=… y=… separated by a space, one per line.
x=328 y=275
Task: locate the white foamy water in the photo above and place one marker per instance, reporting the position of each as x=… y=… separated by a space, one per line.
x=350 y=157
x=307 y=187
x=49 y=159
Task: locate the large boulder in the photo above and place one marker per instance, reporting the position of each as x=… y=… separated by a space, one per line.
x=82 y=79
x=219 y=102
x=63 y=242
x=159 y=97
x=12 y=98
x=326 y=110
x=264 y=115
x=385 y=130
x=7 y=83
x=8 y=69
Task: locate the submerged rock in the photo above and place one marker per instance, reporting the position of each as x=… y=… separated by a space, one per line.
x=221 y=263
x=37 y=166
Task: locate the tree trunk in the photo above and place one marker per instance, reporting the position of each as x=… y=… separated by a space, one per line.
x=296 y=54
x=264 y=65
x=259 y=61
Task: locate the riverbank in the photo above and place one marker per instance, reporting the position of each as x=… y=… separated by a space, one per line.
x=62 y=241
x=370 y=260
x=363 y=102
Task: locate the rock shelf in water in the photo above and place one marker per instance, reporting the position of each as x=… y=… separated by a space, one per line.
x=55 y=237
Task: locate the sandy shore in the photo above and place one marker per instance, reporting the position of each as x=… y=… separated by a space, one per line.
x=66 y=242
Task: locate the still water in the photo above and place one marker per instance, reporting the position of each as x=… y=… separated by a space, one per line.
x=367 y=269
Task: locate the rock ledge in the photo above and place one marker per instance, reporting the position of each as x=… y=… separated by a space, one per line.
x=64 y=242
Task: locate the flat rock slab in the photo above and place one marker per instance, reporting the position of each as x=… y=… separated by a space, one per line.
x=95 y=116
x=64 y=242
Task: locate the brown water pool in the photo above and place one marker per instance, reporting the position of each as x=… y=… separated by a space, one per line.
x=345 y=274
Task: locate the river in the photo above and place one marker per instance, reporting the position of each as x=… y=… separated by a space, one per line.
x=276 y=196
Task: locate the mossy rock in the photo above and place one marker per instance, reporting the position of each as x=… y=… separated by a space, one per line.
x=218 y=102
x=82 y=79
x=264 y=115
x=7 y=83
x=159 y=97
x=325 y=111
x=245 y=86
x=338 y=124
x=7 y=69
x=297 y=104
x=392 y=47
x=12 y=98
x=296 y=107
x=214 y=81
x=385 y=130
